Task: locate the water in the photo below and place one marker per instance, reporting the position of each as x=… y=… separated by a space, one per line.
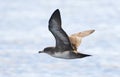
x=24 y=31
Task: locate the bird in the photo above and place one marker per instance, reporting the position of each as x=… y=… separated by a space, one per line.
x=65 y=47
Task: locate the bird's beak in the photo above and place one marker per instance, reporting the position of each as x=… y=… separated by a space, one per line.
x=40 y=51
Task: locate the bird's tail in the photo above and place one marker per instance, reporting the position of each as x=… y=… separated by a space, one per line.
x=81 y=55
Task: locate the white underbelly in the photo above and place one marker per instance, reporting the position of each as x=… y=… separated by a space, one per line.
x=64 y=55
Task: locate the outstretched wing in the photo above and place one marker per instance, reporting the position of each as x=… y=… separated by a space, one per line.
x=62 y=40
x=76 y=38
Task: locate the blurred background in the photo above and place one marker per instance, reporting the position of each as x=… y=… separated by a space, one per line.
x=24 y=31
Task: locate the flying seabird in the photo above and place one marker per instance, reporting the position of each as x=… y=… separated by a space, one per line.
x=64 y=48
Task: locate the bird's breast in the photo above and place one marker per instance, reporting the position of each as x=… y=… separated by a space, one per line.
x=64 y=54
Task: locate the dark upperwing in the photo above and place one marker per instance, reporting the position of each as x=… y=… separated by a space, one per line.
x=62 y=39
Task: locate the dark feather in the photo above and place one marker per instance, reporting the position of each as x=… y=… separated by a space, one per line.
x=62 y=39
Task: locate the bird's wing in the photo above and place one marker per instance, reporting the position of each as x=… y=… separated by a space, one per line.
x=83 y=33
x=62 y=40
x=76 y=38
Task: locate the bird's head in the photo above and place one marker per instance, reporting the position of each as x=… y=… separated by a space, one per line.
x=46 y=50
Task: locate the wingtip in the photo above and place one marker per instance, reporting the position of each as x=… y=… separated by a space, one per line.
x=93 y=30
x=56 y=12
x=56 y=16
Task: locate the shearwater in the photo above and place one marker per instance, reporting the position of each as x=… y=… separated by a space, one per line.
x=66 y=47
